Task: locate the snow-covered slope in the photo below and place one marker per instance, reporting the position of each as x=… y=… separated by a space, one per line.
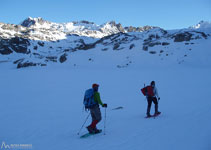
x=42 y=107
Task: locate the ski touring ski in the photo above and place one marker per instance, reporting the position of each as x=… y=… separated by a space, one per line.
x=153 y=116
x=89 y=134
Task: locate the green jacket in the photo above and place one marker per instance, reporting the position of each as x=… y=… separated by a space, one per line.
x=97 y=98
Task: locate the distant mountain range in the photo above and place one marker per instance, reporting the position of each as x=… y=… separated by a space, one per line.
x=37 y=42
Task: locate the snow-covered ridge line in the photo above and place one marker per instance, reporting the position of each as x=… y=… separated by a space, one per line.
x=40 y=42
x=40 y=29
x=81 y=28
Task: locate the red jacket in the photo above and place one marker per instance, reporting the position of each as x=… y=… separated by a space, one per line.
x=149 y=91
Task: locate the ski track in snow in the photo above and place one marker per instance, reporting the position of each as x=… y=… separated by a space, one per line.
x=43 y=107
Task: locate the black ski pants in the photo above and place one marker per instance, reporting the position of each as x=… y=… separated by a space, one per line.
x=95 y=113
x=150 y=100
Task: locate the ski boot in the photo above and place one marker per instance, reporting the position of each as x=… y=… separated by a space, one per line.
x=97 y=130
x=91 y=130
x=157 y=113
x=148 y=116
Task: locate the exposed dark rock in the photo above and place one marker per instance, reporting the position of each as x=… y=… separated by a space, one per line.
x=31 y=21
x=116 y=39
x=120 y=28
x=138 y=29
x=37 y=55
x=165 y=43
x=17 y=44
x=18 y=61
x=28 y=22
x=116 y=46
x=41 y=43
x=131 y=29
x=132 y=46
x=51 y=58
x=4 y=49
x=84 y=46
x=151 y=43
x=152 y=52
x=63 y=58
x=157 y=36
x=145 y=48
x=202 y=34
x=35 y=47
x=104 y=49
x=68 y=50
x=28 y=64
x=180 y=37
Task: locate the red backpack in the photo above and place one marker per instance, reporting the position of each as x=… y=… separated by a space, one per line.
x=148 y=91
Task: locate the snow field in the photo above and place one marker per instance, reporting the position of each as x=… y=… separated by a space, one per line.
x=43 y=107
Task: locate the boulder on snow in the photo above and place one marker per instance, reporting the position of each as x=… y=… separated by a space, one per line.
x=18 y=61
x=51 y=58
x=5 y=50
x=145 y=48
x=41 y=43
x=28 y=64
x=132 y=46
x=165 y=43
x=116 y=46
x=63 y=58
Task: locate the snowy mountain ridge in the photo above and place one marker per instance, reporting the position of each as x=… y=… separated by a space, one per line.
x=39 y=42
x=81 y=28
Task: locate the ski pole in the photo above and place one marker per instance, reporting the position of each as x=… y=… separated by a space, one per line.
x=83 y=123
x=105 y=123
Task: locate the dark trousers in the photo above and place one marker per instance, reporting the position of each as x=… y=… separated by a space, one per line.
x=150 y=100
x=96 y=116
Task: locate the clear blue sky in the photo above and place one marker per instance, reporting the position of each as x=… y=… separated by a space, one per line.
x=168 y=14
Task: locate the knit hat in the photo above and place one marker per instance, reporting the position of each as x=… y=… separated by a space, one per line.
x=95 y=85
x=153 y=83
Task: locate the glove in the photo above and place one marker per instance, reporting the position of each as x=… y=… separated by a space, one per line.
x=158 y=98
x=105 y=105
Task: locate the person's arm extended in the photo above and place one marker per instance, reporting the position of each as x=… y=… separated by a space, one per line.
x=156 y=93
x=97 y=98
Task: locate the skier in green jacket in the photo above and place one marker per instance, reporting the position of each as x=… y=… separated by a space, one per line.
x=95 y=111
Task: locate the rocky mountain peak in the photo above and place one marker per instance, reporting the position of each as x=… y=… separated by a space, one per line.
x=33 y=21
x=202 y=24
x=113 y=24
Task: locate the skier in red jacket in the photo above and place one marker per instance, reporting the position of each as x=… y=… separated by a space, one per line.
x=152 y=96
